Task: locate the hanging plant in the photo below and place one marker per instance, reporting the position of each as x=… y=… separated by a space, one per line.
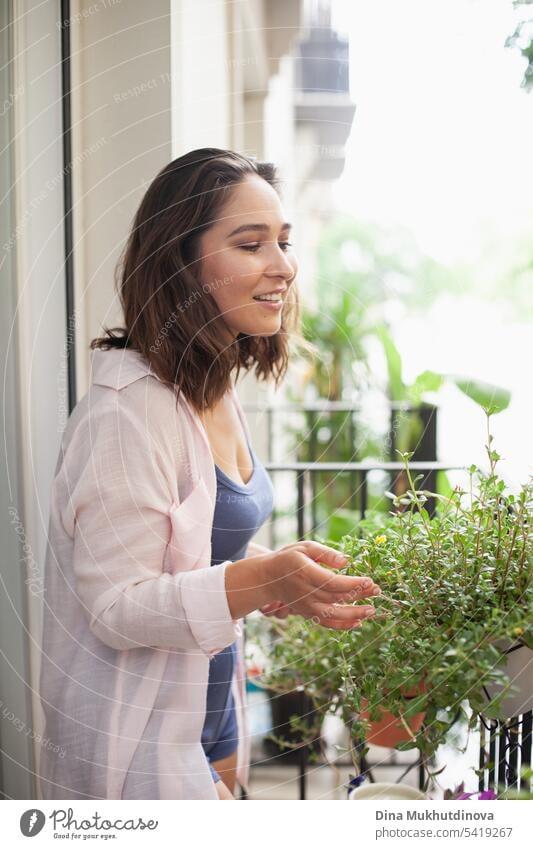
x=455 y=588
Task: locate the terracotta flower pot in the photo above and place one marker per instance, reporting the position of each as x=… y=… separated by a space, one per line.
x=389 y=730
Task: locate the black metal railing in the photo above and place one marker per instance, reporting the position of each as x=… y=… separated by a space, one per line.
x=318 y=411
x=349 y=441
x=505 y=750
x=305 y=472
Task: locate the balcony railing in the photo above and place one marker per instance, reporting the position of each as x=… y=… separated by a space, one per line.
x=343 y=415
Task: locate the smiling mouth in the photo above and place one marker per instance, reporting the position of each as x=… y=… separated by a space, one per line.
x=274 y=303
x=276 y=299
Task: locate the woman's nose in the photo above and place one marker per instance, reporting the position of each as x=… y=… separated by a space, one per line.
x=281 y=266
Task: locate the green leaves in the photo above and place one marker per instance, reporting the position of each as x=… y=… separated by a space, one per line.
x=341 y=523
x=427 y=381
x=416 y=705
x=492 y=399
x=405 y=745
x=394 y=363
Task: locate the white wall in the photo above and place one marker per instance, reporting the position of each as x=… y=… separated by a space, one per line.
x=201 y=95
x=121 y=139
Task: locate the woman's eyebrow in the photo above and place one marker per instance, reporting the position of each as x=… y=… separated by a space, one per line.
x=257 y=227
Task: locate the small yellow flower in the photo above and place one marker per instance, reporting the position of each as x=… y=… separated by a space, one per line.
x=381 y=540
x=518 y=632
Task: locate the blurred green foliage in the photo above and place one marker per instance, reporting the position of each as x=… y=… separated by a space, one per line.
x=364 y=271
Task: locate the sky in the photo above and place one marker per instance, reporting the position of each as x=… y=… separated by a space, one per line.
x=441 y=145
x=443 y=132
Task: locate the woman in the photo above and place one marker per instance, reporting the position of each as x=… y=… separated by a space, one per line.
x=157 y=493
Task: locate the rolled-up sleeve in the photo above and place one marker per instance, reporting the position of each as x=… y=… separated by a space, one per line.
x=120 y=502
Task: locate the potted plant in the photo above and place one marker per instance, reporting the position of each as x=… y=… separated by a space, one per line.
x=387 y=730
x=453 y=588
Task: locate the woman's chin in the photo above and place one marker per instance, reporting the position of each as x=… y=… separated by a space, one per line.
x=268 y=331
x=264 y=328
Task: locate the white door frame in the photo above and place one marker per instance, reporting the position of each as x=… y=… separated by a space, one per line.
x=35 y=385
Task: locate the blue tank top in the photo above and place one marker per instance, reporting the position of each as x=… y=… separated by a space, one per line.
x=240 y=510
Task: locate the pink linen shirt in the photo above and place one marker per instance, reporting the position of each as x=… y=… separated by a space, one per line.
x=133 y=610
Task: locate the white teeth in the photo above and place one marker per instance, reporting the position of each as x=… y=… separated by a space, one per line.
x=267 y=298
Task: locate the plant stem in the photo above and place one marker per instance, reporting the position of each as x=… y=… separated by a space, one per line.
x=508 y=563
x=417 y=502
x=406 y=725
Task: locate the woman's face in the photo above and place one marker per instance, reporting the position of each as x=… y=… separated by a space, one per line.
x=245 y=256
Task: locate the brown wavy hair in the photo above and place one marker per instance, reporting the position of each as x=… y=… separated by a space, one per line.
x=155 y=273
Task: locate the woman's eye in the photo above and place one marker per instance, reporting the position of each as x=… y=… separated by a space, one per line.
x=256 y=246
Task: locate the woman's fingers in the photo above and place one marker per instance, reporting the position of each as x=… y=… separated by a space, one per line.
x=332 y=559
x=269 y=608
x=302 y=582
x=345 y=612
x=340 y=625
x=276 y=608
x=330 y=615
x=310 y=592
x=349 y=586
x=364 y=588
x=323 y=554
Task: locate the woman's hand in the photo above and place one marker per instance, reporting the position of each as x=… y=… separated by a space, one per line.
x=292 y=580
x=304 y=587
x=275 y=608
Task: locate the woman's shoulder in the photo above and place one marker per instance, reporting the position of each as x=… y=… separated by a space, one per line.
x=131 y=383
x=125 y=397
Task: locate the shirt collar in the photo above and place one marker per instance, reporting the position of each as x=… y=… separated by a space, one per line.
x=118 y=367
